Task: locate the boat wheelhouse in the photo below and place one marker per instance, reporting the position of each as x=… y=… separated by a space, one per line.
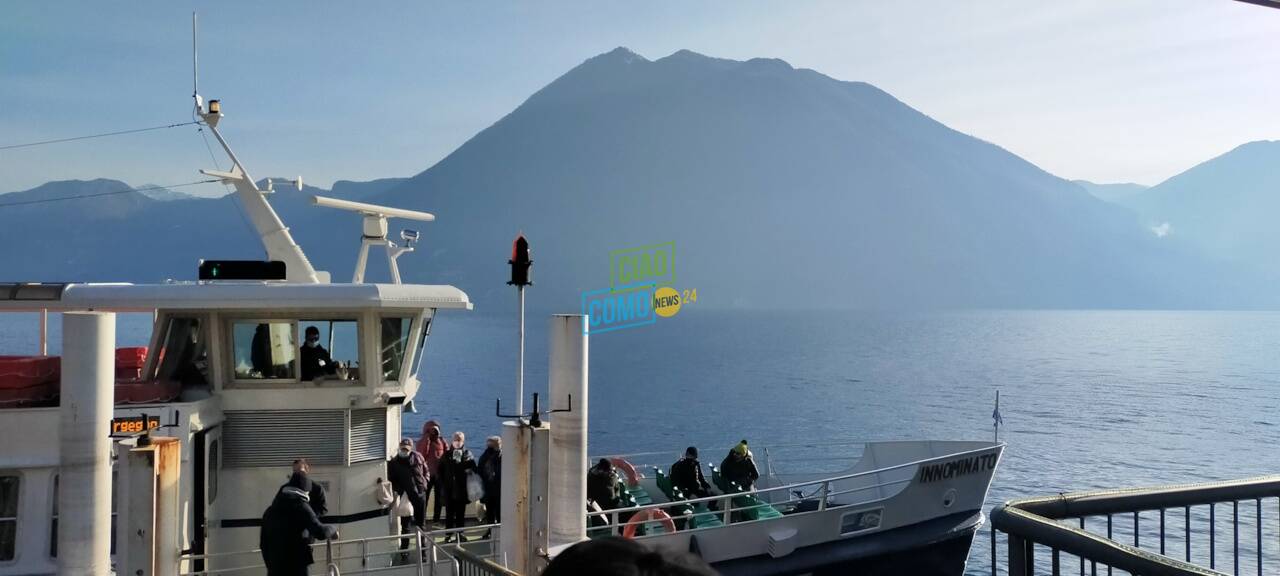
x=242 y=406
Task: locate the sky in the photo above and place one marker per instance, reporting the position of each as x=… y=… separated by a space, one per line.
x=1108 y=91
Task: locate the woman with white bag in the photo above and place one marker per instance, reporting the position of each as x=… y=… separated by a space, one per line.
x=407 y=472
x=455 y=469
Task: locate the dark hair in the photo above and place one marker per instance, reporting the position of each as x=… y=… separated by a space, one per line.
x=622 y=557
x=691 y=451
x=311 y=329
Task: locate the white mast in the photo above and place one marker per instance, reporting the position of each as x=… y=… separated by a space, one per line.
x=271 y=230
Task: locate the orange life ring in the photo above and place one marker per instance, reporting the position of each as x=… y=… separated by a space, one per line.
x=633 y=477
x=648 y=515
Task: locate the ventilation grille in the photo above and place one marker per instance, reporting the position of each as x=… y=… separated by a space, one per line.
x=368 y=435
x=278 y=437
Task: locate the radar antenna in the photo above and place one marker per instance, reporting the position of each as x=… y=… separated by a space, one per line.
x=375 y=232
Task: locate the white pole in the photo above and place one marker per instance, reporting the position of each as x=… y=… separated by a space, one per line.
x=44 y=331
x=567 y=486
x=520 y=358
x=84 y=485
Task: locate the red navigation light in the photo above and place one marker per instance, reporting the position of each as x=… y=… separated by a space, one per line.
x=520 y=262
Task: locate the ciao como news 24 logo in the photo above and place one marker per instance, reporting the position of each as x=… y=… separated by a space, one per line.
x=641 y=290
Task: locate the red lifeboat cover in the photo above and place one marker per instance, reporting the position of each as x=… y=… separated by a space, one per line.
x=29 y=379
x=131 y=388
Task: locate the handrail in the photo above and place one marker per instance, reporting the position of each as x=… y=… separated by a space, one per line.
x=1039 y=521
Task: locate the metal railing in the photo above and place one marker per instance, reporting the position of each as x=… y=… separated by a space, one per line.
x=1179 y=538
x=820 y=494
x=428 y=554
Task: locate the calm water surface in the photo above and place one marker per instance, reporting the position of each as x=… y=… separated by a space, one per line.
x=1091 y=399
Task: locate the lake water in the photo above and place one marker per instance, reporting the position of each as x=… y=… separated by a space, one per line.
x=1091 y=399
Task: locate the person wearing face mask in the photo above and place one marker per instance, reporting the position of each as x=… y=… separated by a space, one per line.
x=315 y=359
x=453 y=480
x=432 y=448
x=407 y=472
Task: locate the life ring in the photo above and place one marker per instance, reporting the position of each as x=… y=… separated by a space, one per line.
x=645 y=516
x=633 y=476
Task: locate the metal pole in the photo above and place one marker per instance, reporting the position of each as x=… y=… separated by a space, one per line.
x=520 y=358
x=567 y=486
x=44 y=331
x=84 y=492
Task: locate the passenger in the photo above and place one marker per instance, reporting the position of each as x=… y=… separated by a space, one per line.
x=740 y=467
x=686 y=474
x=318 y=503
x=490 y=467
x=622 y=557
x=288 y=527
x=602 y=485
x=408 y=475
x=316 y=362
x=453 y=477
x=432 y=447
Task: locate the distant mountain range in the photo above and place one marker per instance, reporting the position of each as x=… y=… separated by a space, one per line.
x=1117 y=192
x=782 y=188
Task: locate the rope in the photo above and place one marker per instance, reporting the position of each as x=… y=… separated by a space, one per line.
x=86 y=137
x=98 y=194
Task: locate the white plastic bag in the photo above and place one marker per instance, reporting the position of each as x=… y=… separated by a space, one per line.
x=475 y=488
x=403 y=506
x=384 y=495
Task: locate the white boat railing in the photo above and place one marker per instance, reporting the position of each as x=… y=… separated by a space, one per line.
x=428 y=554
x=723 y=507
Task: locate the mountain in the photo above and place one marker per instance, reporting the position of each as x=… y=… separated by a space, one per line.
x=781 y=187
x=162 y=194
x=1224 y=208
x=1117 y=193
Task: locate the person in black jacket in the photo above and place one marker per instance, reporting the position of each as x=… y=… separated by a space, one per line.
x=407 y=472
x=318 y=502
x=314 y=359
x=490 y=468
x=740 y=467
x=455 y=464
x=602 y=485
x=686 y=475
x=288 y=527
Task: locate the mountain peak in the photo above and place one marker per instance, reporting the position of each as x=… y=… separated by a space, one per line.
x=621 y=54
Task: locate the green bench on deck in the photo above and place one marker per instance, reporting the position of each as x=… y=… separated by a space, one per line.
x=746 y=507
x=701 y=516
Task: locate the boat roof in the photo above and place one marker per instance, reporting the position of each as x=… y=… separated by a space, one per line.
x=121 y=297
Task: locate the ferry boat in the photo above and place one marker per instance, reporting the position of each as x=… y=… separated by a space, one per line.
x=222 y=375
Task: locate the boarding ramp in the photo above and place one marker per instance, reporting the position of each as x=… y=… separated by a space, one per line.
x=1230 y=527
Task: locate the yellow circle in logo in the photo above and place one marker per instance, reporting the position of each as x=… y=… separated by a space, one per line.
x=666 y=301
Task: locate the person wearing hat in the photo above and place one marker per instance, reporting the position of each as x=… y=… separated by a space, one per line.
x=739 y=467
x=602 y=485
x=407 y=472
x=686 y=475
x=288 y=527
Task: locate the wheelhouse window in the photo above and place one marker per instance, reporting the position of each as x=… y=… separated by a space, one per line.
x=184 y=353
x=10 y=485
x=264 y=350
x=330 y=350
x=422 y=346
x=395 y=341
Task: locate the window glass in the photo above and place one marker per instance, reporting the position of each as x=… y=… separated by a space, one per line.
x=264 y=350
x=212 y=472
x=395 y=339
x=9 y=486
x=183 y=356
x=330 y=350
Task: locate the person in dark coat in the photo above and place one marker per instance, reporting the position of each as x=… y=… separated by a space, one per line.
x=740 y=467
x=315 y=359
x=623 y=557
x=407 y=472
x=288 y=527
x=490 y=468
x=453 y=481
x=318 y=502
x=686 y=475
x=602 y=485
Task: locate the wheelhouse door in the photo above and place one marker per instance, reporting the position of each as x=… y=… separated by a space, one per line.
x=207 y=462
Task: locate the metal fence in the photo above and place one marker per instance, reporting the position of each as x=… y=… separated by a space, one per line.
x=1230 y=527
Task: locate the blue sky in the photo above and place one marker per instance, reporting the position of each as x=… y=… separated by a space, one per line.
x=1110 y=91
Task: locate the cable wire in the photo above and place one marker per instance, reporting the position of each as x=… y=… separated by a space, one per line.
x=98 y=194
x=86 y=137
